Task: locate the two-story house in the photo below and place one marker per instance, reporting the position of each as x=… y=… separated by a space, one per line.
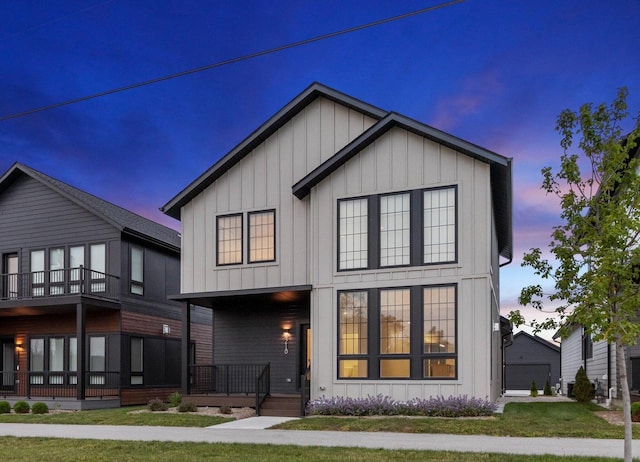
x=84 y=316
x=352 y=246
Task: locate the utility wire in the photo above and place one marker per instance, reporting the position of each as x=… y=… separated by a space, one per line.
x=229 y=61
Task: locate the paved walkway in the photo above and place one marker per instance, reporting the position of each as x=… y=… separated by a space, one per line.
x=229 y=434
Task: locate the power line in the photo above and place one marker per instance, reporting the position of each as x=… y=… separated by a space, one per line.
x=230 y=61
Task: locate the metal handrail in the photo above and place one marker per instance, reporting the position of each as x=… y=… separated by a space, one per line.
x=58 y=384
x=263 y=386
x=58 y=282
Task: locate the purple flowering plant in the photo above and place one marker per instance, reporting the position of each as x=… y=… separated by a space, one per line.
x=453 y=406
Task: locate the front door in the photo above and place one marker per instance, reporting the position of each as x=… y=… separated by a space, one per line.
x=10 y=276
x=305 y=354
x=7 y=366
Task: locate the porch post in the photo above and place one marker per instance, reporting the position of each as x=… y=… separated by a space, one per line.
x=81 y=321
x=186 y=336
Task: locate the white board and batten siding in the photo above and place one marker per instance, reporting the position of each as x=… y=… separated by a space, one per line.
x=262 y=180
x=401 y=161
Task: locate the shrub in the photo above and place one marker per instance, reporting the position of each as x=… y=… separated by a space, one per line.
x=39 y=408
x=225 y=409
x=635 y=412
x=157 y=404
x=21 y=407
x=187 y=407
x=458 y=406
x=534 y=389
x=175 y=399
x=547 y=389
x=582 y=389
x=5 y=407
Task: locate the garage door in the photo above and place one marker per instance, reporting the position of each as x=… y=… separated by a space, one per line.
x=520 y=376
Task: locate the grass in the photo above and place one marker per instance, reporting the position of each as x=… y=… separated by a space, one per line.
x=561 y=419
x=35 y=449
x=118 y=416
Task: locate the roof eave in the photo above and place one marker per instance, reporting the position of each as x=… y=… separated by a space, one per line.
x=315 y=90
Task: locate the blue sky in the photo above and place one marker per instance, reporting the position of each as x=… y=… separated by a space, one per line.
x=495 y=73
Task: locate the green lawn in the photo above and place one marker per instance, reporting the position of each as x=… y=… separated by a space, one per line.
x=119 y=416
x=560 y=419
x=38 y=449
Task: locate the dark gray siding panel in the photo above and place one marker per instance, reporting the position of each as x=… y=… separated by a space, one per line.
x=254 y=335
x=34 y=216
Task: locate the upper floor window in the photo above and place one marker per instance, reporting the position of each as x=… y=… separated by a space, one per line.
x=411 y=228
x=353 y=229
x=229 y=239
x=137 y=270
x=262 y=236
x=395 y=223
x=439 y=225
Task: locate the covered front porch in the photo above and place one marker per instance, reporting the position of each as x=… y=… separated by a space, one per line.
x=261 y=350
x=47 y=354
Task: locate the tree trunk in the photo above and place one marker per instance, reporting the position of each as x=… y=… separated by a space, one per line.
x=621 y=364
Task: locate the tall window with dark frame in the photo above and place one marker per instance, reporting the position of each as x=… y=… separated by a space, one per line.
x=395 y=333
x=262 y=236
x=137 y=270
x=353 y=217
x=229 y=239
x=439 y=332
x=137 y=361
x=353 y=336
x=395 y=221
x=439 y=225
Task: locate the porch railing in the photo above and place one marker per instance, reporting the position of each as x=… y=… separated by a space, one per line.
x=226 y=378
x=50 y=283
x=263 y=386
x=58 y=384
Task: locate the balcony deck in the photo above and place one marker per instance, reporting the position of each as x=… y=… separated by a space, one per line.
x=51 y=284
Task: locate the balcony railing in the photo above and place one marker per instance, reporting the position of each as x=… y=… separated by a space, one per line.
x=58 y=384
x=53 y=283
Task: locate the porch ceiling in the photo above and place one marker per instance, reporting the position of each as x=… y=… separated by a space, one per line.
x=269 y=295
x=49 y=305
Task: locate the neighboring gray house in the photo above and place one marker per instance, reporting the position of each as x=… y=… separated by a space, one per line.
x=84 y=316
x=531 y=358
x=352 y=246
x=599 y=362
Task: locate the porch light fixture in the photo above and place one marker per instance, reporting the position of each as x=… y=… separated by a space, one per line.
x=286 y=335
x=18 y=346
x=166 y=329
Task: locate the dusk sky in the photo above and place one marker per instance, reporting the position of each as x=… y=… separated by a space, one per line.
x=493 y=72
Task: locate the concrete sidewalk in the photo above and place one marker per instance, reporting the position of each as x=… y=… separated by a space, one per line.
x=383 y=440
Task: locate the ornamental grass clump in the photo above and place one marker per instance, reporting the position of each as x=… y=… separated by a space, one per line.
x=454 y=406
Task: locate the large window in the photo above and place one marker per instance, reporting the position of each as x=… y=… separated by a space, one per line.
x=76 y=260
x=36 y=361
x=398 y=333
x=137 y=270
x=56 y=360
x=229 y=236
x=262 y=236
x=439 y=225
x=37 y=273
x=353 y=340
x=411 y=228
x=353 y=230
x=56 y=274
x=97 y=253
x=137 y=361
x=395 y=223
x=439 y=332
x=395 y=333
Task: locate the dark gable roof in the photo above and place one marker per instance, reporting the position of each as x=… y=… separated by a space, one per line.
x=122 y=219
x=172 y=208
x=535 y=338
x=500 y=166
